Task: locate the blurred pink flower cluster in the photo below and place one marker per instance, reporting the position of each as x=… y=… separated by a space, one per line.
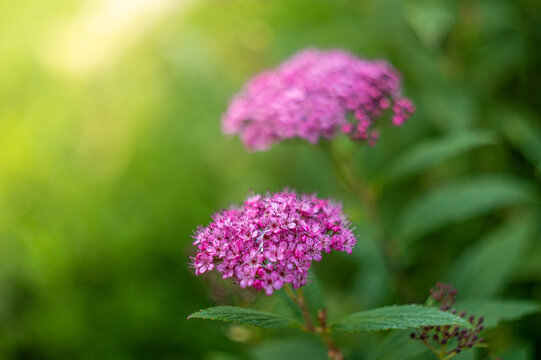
x=271 y=240
x=317 y=94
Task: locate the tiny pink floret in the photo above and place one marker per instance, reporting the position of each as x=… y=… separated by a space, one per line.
x=317 y=94
x=272 y=240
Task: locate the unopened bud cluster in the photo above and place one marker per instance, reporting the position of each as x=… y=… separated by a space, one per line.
x=450 y=336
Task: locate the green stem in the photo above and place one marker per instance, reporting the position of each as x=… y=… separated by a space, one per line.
x=368 y=197
x=298 y=298
x=323 y=331
x=431 y=348
x=352 y=181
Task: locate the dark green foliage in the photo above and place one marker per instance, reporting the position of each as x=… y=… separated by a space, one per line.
x=427 y=154
x=459 y=201
x=111 y=154
x=484 y=268
x=290 y=349
x=496 y=310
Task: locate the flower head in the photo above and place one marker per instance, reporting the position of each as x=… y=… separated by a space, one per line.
x=272 y=239
x=317 y=94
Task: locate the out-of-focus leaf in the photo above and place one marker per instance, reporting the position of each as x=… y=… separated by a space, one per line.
x=494 y=311
x=396 y=317
x=290 y=349
x=313 y=295
x=244 y=316
x=429 y=21
x=524 y=136
x=466 y=355
x=459 y=201
x=399 y=346
x=372 y=282
x=483 y=269
x=221 y=356
x=529 y=268
x=431 y=152
x=521 y=351
x=452 y=109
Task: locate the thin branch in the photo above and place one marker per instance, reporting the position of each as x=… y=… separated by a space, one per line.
x=368 y=197
x=323 y=331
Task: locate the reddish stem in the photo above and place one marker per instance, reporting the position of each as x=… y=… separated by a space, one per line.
x=334 y=353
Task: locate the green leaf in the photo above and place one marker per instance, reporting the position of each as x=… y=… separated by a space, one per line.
x=521 y=351
x=430 y=21
x=524 y=134
x=432 y=152
x=398 y=346
x=290 y=349
x=372 y=280
x=396 y=317
x=494 y=310
x=466 y=355
x=313 y=295
x=244 y=316
x=460 y=201
x=221 y=356
x=484 y=268
x=528 y=270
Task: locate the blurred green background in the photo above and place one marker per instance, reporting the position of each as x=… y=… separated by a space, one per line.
x=111 y=154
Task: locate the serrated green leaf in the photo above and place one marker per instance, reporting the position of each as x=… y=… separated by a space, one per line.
x=495 y=310
x=460 y=201
x=483 y=269
x=431 y=152
x=396 y=317
x=234 y=314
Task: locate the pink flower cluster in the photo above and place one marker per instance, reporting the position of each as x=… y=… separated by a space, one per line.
x=317 y=94
x=271 y=240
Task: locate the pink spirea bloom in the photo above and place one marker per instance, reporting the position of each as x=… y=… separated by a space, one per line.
x=317 y=94
x=272 y=239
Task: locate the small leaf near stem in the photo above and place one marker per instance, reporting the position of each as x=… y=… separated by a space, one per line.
x=334 y=353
